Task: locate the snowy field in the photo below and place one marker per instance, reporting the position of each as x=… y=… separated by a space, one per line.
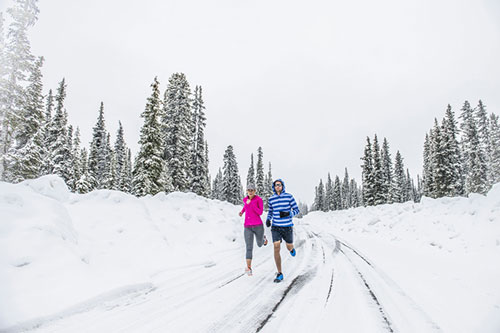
x=109 y=262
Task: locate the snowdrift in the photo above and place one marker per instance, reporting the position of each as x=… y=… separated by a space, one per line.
x=58 y=248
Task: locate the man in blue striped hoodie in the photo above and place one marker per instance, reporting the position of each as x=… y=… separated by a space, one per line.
x=282 y=207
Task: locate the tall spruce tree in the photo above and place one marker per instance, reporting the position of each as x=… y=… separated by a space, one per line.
x=399 y=184
x=337 y=194
x=98 y=155
x=200 y=183
x=217 y=188
x=150 y=171
x=329 y=199
x=454 y=181
x=387 y=171
x=476 y=175
x=319 y=201
x=260 y=179
x=17 y=63
x=178 y=129
x=438 y=160
x=346 y=194
x=268 y=187
x=59 y=148
x=368 y=186
x=495 y=149
x=84 y=183
x=120 y=158
x=251 y=172
x=483 y=128
x=378 y=179
x=231 y=182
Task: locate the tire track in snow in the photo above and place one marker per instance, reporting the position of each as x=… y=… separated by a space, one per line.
x=372 y=294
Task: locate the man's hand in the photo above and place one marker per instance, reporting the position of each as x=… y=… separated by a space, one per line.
x=284 y=214
x=268 y=223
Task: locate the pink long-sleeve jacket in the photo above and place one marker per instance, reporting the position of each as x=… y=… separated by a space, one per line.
x=253 y=211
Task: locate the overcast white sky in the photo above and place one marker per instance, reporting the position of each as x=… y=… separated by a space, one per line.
x=307 y=81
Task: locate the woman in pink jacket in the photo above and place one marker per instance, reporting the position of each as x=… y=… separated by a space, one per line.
x=253 y=208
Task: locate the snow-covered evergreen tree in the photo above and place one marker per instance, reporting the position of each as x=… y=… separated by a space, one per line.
x=232 y=189
x=17 y=63
x=260 y=178
x=346 y=195
x=251 y=172
x=217 y=188
x=483 y=128
x=98 y=155
x=427 y=181
x=32 y=112
x=59 y=147
x=438 y=160
x=200 y=183
x=126 y=174
x=329 y=199
x=120 y=158
x=368 y=175
x=319 y=200
x=109 y=175
x=150 y=170
x=337 y=194
x=355 y=197
x=84 y=182
x=387 y=171
x=178 y=130
x=399 y=184
x=378 y=177
x=495 y=149
x=268 y=187
x=47 y=139
x=476 y=175
x=454 y=181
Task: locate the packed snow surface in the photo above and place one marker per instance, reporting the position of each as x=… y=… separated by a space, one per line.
x=108 y=261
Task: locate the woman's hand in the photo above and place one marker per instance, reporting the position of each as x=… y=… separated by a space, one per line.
x=240 y=214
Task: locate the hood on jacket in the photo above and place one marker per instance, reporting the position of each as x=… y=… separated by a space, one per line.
x=282 y=182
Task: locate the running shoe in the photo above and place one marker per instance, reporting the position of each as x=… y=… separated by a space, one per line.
x=293 y=253
x=279 y=278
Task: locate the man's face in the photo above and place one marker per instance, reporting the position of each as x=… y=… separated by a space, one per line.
x=278 y=187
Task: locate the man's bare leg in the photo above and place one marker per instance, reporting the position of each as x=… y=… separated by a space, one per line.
x=277 y=257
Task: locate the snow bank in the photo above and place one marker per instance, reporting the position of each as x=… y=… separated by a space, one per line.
x=59 y=248
x=444 y=253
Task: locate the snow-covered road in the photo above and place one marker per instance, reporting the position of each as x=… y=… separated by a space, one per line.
x=329 y=284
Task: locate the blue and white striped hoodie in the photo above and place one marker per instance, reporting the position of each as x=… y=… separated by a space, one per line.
x=279 y=203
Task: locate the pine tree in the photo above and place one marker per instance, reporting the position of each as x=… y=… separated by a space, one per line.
x=346 y=195
x=483 y=128
x=47 y=139
x=368 y=175
x=32 y=113
x=355 y=197
x=410 y=187
x=495 y=149
x=60 y=148
x=452 y=156
x=319 y=201
x=84 y=182
x=476 y=176
x=126 y=174
x=399 y=183
x=268 y=187
x=378 y=179
x=329 y=199
x=150 y=171
x=387 y=172
x=109 y=174
x=337 y=194
x=260 y=172
x=98 y=159
x=120 y=158
x=231 y=183
x=427 y=181
x=251 y=172
x=178 y=127
x=217 y=188
x=438 y=160
x=200 y=183
x=17 y=63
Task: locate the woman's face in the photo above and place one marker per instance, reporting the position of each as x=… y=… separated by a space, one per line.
x=251 y=193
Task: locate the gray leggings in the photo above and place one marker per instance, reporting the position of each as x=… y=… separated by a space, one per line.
x=259 y=238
